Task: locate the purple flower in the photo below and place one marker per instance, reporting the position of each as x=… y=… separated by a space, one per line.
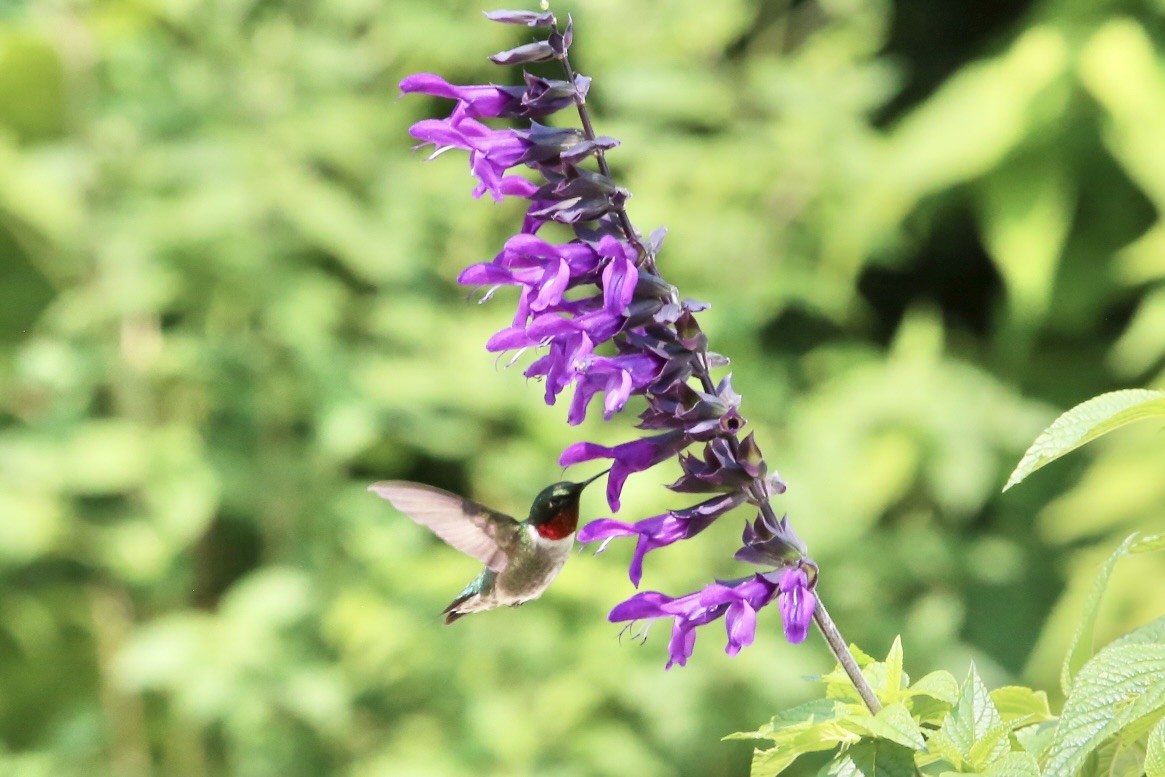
x=634 y=456
x=661 y=530
x=479 y=101
x=543 y=270
x=617 y=376
x=738 y=601
x=797 y=602
x=491 y=152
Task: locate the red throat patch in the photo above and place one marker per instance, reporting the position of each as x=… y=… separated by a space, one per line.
x=560 y=526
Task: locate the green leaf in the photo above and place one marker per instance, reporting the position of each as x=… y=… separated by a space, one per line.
x=1036 y=739
x=1021 y=706
x=818 y=709
x=1081 y=647
x=1113 y=758
x=1149 y=544
x=874 y=758
x=893 y=722
x=838 y=685
x=1015 y=765
x=798 y=739
x=766 y=763
x=895 y=677
x=807 y=728
x=940 y=685
x=990 y=747
x=932 y=697
x=1152 y=633
x=1139 y=728
x=973 y=721
x=1085 y=423
x=1155 y=752
x=1119 y=685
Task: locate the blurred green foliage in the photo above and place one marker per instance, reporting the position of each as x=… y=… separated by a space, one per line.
x=227 y=304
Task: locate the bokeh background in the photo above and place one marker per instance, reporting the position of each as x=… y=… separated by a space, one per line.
x=227 y=305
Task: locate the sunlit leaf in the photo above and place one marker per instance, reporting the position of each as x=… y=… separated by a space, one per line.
x=973 y=734
x=1086 y=422
x=1020 y=706
x=1155 y=751
x=1120 y=684
x=895 y=723
x=876 y=758
x=1015 y=765
x=1081 y=646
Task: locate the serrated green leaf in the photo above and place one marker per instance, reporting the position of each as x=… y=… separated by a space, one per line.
x=990 y=747
x=764 y=732
x=874 y=758
x=1155 y=752
x=940 y=685
x=893 y=722
x=1081 y=647
x=1152 y=633
x=928 y=711
x=1137 y=729
x=1085 y=423
x=973 y=718
x=1114 y=759
x=895 y=678
x=1036 y=739
x=766 y=763
x=1117 y=686
x=1015 y=765
x=838 y=685
x=817 y=710
x=861 y=657
x=942 y=748
x=1021 y=706
x=798 y=739
x=931 y=698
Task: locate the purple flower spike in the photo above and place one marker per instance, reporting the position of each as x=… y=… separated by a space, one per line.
x=797 y=603
x=602 y=320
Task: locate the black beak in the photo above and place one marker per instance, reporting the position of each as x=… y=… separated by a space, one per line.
x=588 y=481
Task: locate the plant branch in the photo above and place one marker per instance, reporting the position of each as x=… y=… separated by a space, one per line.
x=588 y=127
x=839 y=648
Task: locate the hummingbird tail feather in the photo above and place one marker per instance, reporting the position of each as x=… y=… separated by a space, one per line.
x=451 y=612
x=472 y=593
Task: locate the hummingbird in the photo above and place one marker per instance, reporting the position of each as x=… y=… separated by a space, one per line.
x=521 y=558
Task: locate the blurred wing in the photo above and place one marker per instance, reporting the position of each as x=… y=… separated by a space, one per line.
x=464 y=524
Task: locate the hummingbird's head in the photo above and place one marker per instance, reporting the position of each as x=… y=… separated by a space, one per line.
x=555 y=510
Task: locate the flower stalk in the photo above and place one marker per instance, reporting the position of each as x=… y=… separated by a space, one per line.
x=631 y=336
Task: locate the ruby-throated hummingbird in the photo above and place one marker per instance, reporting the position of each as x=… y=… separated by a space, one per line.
x=521 y=558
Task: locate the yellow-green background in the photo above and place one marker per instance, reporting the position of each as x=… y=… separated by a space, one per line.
x=227 y=304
